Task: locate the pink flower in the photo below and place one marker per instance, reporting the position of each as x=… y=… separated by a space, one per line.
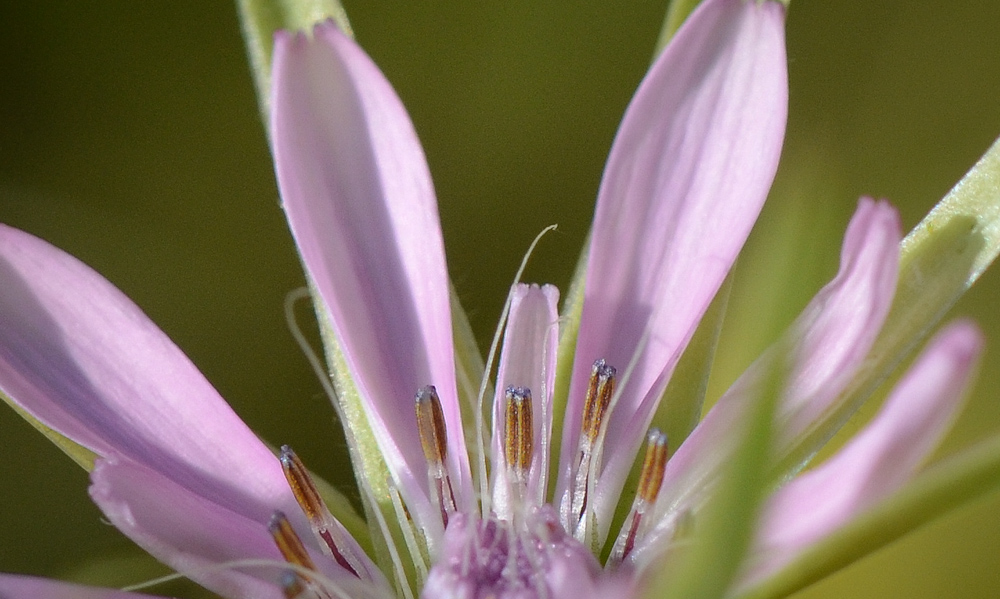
x=179 y=473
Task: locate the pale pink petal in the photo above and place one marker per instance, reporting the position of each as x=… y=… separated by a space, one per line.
x=198 y=538
x=528 y=359
x=83 y=359
x=878 y=461
x=359 y=199
x=828 y=341
x=688 y=173
x=29 y=587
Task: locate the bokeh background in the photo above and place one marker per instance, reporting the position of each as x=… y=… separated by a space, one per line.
x=130 y=136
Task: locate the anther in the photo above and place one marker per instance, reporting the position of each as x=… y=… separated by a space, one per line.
x=518 y=432
x=434 y=440
x=650 y=478
x=289 y=543
x=593 y=426
x=653 y=466
x=291 y=585
x=599 y=392
x=322 y=522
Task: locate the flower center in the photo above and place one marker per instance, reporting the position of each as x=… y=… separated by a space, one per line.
x=492 y=558
x=523 y=548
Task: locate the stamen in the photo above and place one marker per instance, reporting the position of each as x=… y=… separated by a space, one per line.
x=651 y=477
x=599 y=392
x=434 y=439
x=593 y=427
x=322 y=522
x=653 y=466
x=291 y=585
x=518 y=433
x=289 y=543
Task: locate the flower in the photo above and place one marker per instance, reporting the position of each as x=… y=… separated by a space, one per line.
x=178 y=472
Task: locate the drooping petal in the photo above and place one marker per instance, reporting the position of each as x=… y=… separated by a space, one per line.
x=687 y=175
x=528 y=360
x=84 y=360
x=198 y=538
x=29 y=587
x=193 y=536
x=878 y=461
x=829 y=341
x=359 y=199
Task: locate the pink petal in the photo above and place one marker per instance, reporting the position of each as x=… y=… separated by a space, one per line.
x=83 y=359
x=194 y=536
x=359 y=199
x=879 y=460
x=528 y=360
x=28 y=587
x=829 y=341
x=687 y=175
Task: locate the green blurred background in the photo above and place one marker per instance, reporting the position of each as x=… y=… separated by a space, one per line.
x=129 y=136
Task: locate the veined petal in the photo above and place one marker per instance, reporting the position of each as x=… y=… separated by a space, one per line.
x=83 y=359
x=29 y=587
x=878 y=461
x=359 y=200
x=687 y=175
x=528 y=359
x=828 y=341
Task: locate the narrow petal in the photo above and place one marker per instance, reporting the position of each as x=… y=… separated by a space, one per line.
x=687 y=175
x=29 y=587
x=528 y=360
x=829 y=341
x=359 y=199
x=84 y=360
x=879 y=460
x=196 y=537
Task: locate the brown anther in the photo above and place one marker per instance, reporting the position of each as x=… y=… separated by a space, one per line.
x=309 y=499
x=291 y=585
x=653 y=466
x=650 y=478
x=595 y=411
x=289 y=543
x=430 y=423
x=434 y=440
x=518 y=433
x=302 y=485
x=599 y=393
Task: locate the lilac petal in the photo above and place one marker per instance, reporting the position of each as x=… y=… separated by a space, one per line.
x=29 y=587
x=829 y=341
x=197 y=537
x=528 y=360
x=359 y=199
x=877 y=462
x=184 y=531
x=83 y=359
x=687 y=175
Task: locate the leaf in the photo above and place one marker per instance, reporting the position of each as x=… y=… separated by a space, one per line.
x=703 y=565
